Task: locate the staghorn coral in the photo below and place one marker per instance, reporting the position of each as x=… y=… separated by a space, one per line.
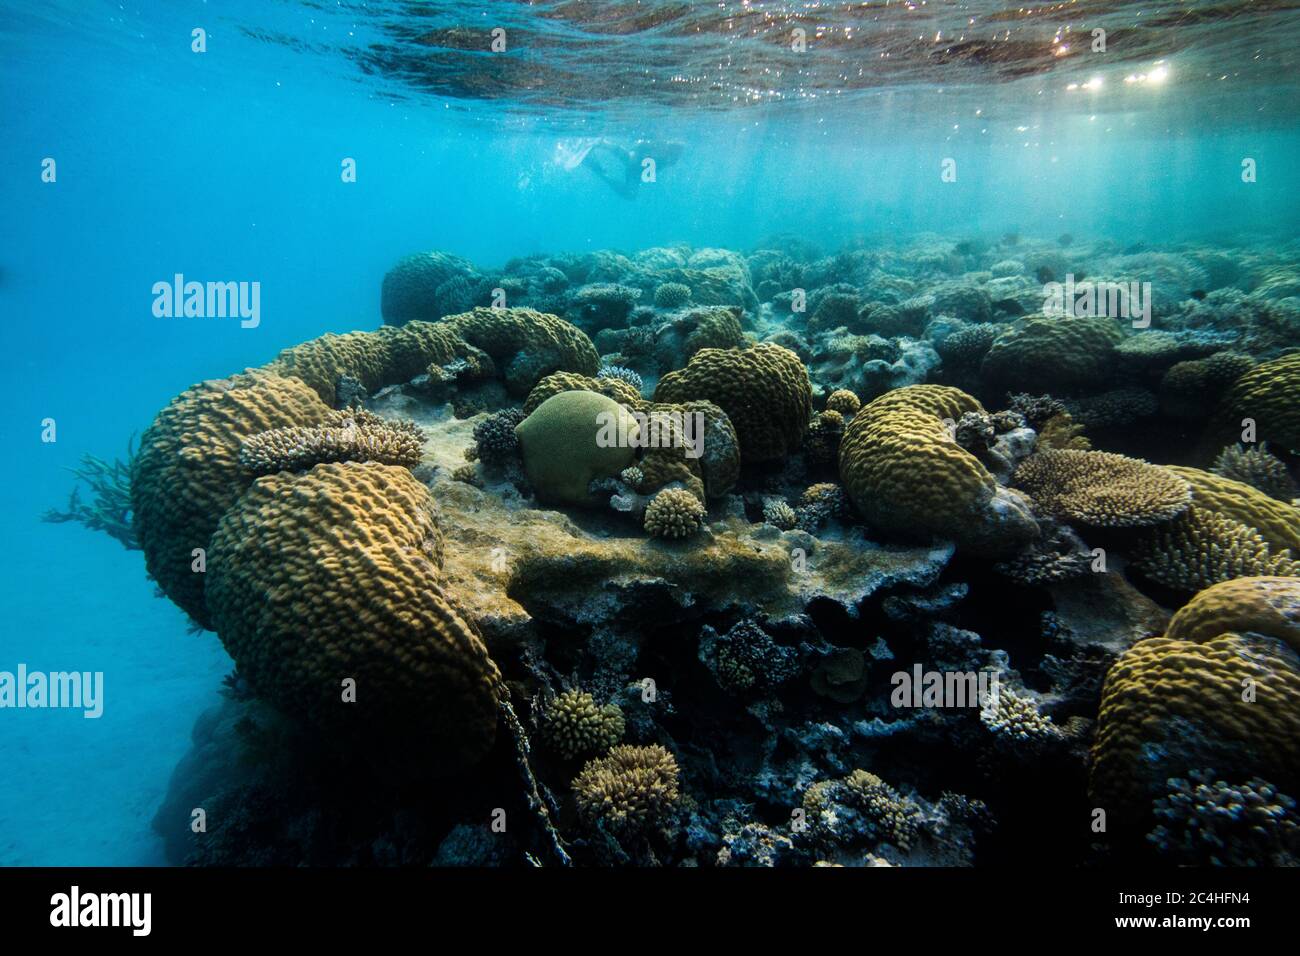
x=576 y=726
x=764 y=391
x=1041 y=353
x=333 y=574
x=1171 y=705
x=110 y=510
x=906 y=435
x=349 y=435
x=1201 y=547
x=1102 y=489
x=844 y=402
x=1278 y=523
x=571 y=440
x=1269 y=394
x=1263 y=605
x=674 y=513
x=1205 y=820
x=187 y=473
x=495 y=441
x=629 y=791
x=1254 y=465
x=528 y=345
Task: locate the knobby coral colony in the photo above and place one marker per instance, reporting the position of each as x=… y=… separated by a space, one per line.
x=905 y=468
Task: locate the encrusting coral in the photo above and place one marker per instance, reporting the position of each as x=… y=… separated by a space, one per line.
x=630 y=790
x=576 y=726
x=1102 y=489
x=348 y=435
x=348 y=554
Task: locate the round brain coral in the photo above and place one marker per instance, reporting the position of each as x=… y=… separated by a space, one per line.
x=331 y=575
x=188 y=472
x=1264 y=605
x=764 y=390
x=1270 y=394
x=628 y=791
x=572 y=439
x=1042 y=354
x=529 y=345
x=576 y=726
x=843 y=401
x=674 y=513
x=1170 y=706
x=1101 y=489
x=904 y=472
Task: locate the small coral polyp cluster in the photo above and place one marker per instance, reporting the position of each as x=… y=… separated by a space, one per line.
x=640 y=558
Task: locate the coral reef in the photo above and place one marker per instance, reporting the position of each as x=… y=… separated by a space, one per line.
x=1101 y=489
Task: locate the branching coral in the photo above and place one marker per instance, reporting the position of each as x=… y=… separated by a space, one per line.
x=495 y=441
x=1202 y=547
x=1101 y=489
x=1206 y=820
x=1278 y=523
x=576 y=726
x=1256 y=466
x=629 y=791
x=349 y=435
x=110 y=509
x=674 y=513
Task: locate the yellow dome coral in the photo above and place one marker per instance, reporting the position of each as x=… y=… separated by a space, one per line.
x=188 y=473
x=1270 y=394
x=1170 y=706
x=1277 y=522
x=904 y=472
x=1101 y=489
x=528 y=345
x=333 y=575
x=1051 y=354
x=555 y=383
x=1263 y=605
x=630 y=790
x=764 y=390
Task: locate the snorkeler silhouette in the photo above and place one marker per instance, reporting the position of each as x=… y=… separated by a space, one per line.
x=620 y=167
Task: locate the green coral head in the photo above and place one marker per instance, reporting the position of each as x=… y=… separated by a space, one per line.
x=573 y=439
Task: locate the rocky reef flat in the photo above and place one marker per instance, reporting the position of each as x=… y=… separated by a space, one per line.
x=937 y=552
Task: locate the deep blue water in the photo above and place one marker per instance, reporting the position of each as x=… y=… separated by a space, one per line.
x=226 y=165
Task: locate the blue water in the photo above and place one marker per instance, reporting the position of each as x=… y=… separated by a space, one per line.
x=226 y=164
